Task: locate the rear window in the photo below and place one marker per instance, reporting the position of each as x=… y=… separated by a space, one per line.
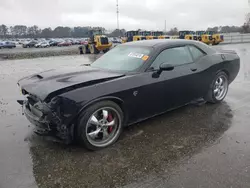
x=196 y=53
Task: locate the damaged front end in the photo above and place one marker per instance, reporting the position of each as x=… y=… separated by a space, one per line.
x=54 y=118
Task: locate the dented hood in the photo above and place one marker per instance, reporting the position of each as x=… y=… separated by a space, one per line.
x=61 y=80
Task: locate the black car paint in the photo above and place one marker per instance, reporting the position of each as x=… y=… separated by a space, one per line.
x=64 y=94
x=53 y=82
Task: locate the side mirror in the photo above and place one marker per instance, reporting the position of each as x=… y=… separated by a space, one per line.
x=166 y=67
x=163 y=67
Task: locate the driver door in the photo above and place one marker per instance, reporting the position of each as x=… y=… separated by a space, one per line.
x=171 y=89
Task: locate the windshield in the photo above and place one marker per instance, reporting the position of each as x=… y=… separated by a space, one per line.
x=123 y=58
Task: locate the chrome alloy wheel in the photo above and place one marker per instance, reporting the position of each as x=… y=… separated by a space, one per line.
x=103 y=126
x=220 y=87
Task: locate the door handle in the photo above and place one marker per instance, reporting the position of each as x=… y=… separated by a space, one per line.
x=193 y=69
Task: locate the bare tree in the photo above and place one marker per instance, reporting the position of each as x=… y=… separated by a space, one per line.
x=3 y=30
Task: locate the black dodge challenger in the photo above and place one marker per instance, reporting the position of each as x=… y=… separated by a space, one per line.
x=132 y=82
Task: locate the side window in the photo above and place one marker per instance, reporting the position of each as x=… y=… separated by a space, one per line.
x=174 y=56
x=197 y=53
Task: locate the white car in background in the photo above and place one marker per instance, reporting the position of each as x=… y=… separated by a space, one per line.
x=42 y=45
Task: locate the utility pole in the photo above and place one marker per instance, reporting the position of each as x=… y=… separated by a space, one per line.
x=165 y=27
x=248 y=15
x=117 y=12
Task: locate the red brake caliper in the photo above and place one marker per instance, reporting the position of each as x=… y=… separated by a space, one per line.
x=110 y=118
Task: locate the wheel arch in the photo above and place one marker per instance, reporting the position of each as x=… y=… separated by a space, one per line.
x=116 y=100
x=225 y=71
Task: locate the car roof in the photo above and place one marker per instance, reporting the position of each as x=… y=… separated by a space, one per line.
x=162 y=43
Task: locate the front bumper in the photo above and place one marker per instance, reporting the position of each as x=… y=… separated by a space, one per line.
x=47 y=123
x=42 y=126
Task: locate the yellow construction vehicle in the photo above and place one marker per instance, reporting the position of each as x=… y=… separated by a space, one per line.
x=96 y=43
x=164 y=37
x=157 y=35
x=147 y=34
x=133 y=36
x=139 y=37
x=191 y=37
x=217 y=38
x=204 y=37
x=174 y=37
x=150 y=37
x=188 y=35
x=129 y=36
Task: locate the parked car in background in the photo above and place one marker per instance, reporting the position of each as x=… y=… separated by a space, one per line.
x=7 y=44
x=75 y=42
x=37 y=45
x=53 y=43
x=64 y=43
x=84 y=42
x=45 y=45
x=22 y=41
x=1 y=45
x=115 y=40
x=42 y=45
x=78 y=42
x=29 y=44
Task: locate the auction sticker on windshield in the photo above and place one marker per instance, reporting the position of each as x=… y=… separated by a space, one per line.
x=136 y=55
x=145 y=57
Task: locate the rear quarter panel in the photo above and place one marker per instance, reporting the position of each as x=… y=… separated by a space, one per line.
x=211 y=64
x=208 y=67
x=231 y=64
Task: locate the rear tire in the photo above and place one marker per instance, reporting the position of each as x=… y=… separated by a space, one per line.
x=85 y=125
x=218 y=88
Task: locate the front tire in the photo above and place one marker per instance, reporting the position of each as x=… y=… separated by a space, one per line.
x=93 y=49
x=218 y=89
x=100 y=125
x=85 y=49
x=106 y=50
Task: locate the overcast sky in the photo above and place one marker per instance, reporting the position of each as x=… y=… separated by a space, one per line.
x=134 y=14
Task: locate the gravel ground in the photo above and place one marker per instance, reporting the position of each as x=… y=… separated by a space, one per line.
x=26 y=53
